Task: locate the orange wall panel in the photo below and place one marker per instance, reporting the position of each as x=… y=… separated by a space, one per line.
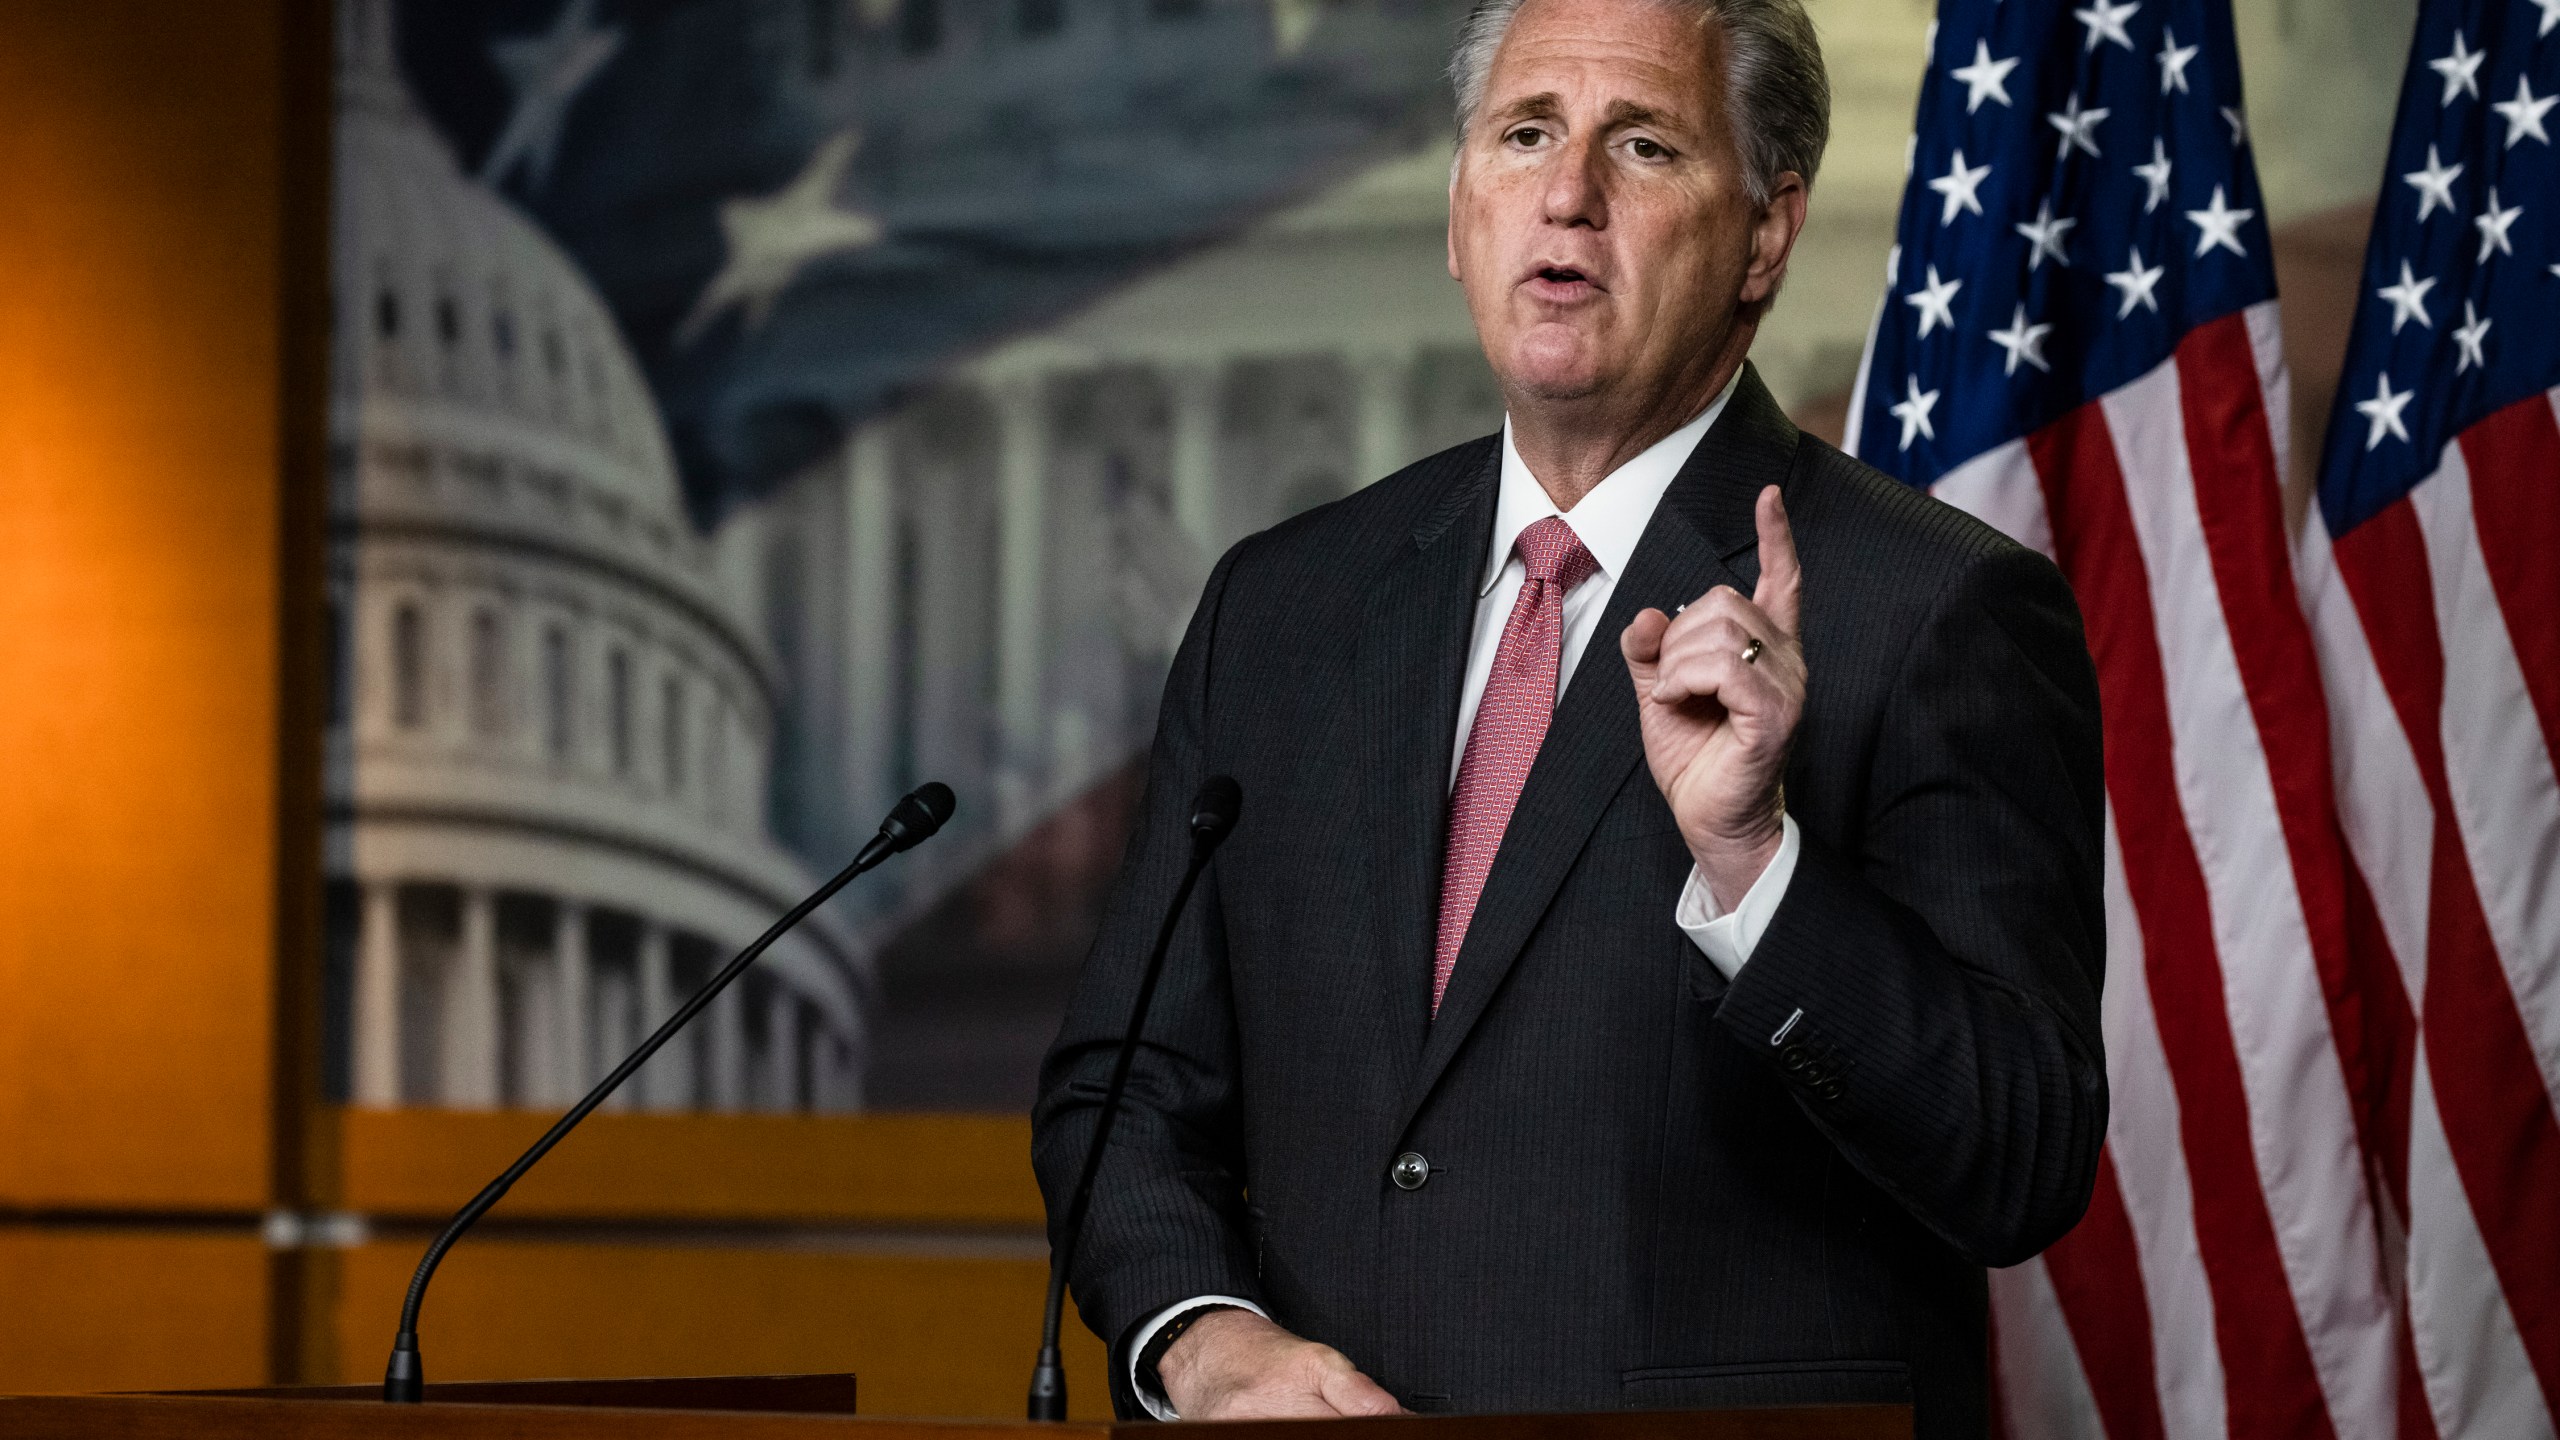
x=139 y=572
x=115 y=1309
x=926 y=1334
x=940 y=1170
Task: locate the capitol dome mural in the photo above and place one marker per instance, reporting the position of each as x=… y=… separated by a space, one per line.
x=553 y=728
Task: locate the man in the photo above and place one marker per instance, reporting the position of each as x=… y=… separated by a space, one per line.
x=1658 y=961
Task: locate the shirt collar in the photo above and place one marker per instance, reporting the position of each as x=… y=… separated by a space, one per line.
x=1609 y=520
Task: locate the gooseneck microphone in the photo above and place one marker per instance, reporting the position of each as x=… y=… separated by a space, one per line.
x=1213 y=814
x=911 y=821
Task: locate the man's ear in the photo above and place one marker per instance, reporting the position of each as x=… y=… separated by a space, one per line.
x=1773 y=238
x=1455 y=160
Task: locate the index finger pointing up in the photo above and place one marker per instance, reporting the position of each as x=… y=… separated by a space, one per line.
x=1781 y=588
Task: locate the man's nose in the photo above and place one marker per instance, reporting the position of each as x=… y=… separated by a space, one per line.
x=1577 y=186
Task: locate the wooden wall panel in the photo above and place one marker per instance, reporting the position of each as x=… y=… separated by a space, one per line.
x=941 y=1170
x=139 y=584
x=927 y=1334
x=120 y=1309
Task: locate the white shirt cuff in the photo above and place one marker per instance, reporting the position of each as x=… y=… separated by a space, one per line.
x=1729 y=938
x=1156 y=1404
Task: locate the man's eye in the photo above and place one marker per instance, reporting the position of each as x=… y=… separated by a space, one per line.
x=1526 y=136
x=1647 y=149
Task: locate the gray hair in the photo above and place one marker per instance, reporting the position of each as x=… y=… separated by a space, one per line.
x=1777 y=96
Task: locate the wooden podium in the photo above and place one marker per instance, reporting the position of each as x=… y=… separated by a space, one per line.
x=795 y=1407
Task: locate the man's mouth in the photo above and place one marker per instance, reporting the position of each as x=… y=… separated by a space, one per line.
x=1560 y=282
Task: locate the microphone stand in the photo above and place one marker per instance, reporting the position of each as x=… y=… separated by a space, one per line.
x=910 y=823
x=1213 y=814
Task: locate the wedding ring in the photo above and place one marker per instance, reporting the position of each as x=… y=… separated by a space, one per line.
x=1751 y=652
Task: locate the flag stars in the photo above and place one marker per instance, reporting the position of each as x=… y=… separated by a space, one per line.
x=2106 y=22
x=2460 y=69
x=2493 y=225
x=2218 y=226
x=2022 y=341
x=2382 y=412
x=2156 y=175
x=2434 y=186
x=2137 y=282
x=2524 y=113
x=1985 y=78
x=2079 y=127
x=2468 y=335
x=2408 y=299
x=1958 y=186
x=2239 y=124
x=2045 y=236
x=2173 y=58
x=1935 y=301
x=1913 y=411
x=2550 y=16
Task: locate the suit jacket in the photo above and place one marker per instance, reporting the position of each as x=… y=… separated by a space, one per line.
x=1648 y=1187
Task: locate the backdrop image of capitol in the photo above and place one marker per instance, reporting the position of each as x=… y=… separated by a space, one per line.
x=746 y=410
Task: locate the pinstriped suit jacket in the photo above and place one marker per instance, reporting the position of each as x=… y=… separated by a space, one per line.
x=1649 y=1187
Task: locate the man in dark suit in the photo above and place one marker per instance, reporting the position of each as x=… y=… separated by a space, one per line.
x=1681 y=1018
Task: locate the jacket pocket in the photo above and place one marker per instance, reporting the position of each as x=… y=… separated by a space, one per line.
x=1768 y=1382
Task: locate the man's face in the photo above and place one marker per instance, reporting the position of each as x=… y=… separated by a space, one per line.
x=1598 y=218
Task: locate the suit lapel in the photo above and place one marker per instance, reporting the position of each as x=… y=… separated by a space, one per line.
x=1411 y=663
x=1593 y=743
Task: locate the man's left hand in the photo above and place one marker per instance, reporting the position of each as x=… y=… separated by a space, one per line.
x=1719 y=691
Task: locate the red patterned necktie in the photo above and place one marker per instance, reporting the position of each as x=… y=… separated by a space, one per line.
x=1511 y=720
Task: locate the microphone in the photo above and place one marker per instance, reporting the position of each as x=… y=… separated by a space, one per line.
x=1213 y=814
x=911 y=822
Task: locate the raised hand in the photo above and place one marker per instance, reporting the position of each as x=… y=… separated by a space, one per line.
x=1235 y=1365
x=1719 y=691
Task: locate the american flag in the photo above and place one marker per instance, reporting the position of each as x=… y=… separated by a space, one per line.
x=2431 y=572
x=2079 y=345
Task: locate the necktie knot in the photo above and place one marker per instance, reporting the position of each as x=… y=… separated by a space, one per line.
x=1554 y=554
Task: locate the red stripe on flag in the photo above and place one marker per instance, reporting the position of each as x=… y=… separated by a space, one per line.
x=2270 y=1386
x=2097 y=1277
x=2232 y=456
x=2514 y=457
x=2489 y=1091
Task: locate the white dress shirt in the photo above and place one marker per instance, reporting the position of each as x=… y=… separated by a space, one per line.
x=1609 y=521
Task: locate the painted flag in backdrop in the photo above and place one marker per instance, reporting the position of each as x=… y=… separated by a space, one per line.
x=2431 y=571
x=801 y=211
x=2079 y=344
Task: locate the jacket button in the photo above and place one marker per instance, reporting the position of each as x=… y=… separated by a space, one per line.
x=1828 y=1089
x=1409 y=1171
x=1795 y=1056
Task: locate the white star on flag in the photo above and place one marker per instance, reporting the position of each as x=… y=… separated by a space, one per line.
x=2460 y=68
x=2218 y=225
x=2173 y=58
x=2493 y=227
x=772 y=237
x=1958 y=185
x=546 y=72
x=2384 y=411
x=2079 y=127
x=2044 y=236
x=2156 y=174
x=1935 y=302
x=1913 y=411
x=2550 y=17
x=2023 y=342
x=2106 y=22
x=2434 y=185
x=2408 y=299
x=2137 y=282
x=2238 y=122
x=1985 y=78
x=2468 y=335
x=2524 y=113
